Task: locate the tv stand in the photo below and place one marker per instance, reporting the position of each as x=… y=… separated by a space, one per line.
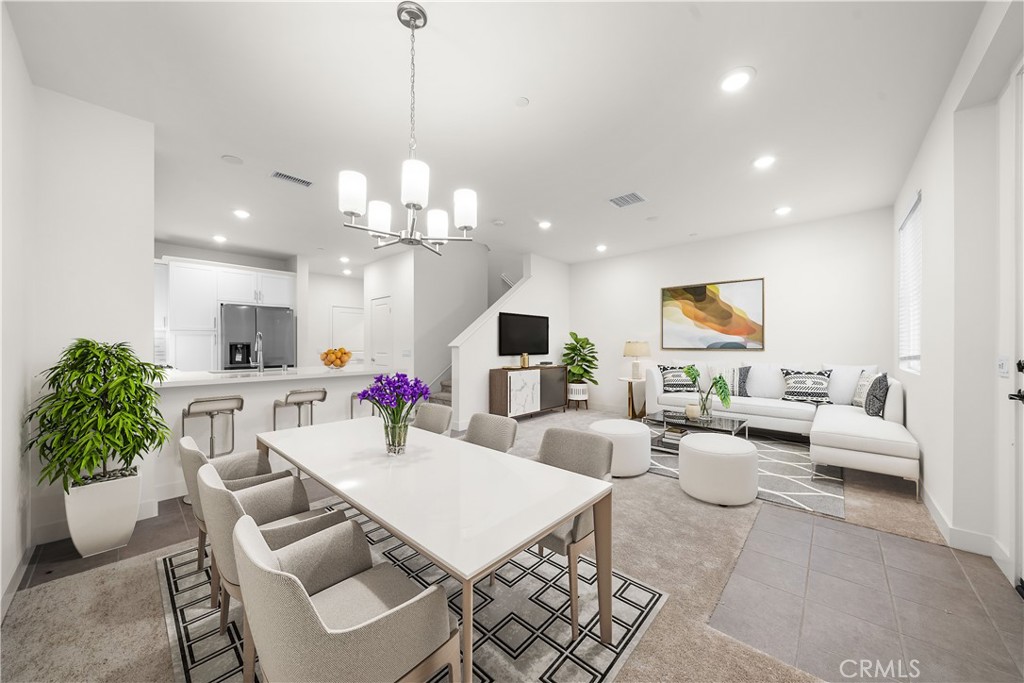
x=520 y=392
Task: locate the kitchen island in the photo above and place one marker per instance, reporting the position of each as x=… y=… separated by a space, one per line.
x=161 y=471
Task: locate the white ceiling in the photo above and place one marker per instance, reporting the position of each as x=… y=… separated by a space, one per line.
x=623 y=98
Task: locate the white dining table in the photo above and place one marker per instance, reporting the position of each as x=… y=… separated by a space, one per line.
x=467 y=508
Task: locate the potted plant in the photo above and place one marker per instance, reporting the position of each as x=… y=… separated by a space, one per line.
x=395 y=396
x=718 y=385
x=580 y=359
x=98 y=415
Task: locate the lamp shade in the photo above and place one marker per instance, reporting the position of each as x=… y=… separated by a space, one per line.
x=637 y=349
x=352 y=193
x=437 y=224
x=415 y=184
x=378 y=216
x=465 y=209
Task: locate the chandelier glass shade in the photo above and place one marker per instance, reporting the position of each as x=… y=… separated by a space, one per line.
x=415 y=182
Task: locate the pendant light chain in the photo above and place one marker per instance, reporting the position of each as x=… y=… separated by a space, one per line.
x=412 y=92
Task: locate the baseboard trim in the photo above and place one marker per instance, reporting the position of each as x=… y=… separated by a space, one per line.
x=937 y=515
x=12 y=586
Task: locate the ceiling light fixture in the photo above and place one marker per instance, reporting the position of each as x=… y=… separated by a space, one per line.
x=346 y=272
x=765 y=162
x=602 y=247
x=220 y=239
x=344 y=259
x=415 y=180
x=241 y=213
x=544 y=225
x=737 y=79
x=783 y=210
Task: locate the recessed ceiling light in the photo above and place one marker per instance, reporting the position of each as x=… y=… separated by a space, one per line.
x=346 y=272
x=231 y=159
x=544 y=225
x=241 y=213
x=522 y=102
x=498 y=222
x=344 y=259
x=651 y=219
x=737 y=79
x=602 y=247
x=761 y=163
x=220 y=239
x=783 y=210
x=693 y=234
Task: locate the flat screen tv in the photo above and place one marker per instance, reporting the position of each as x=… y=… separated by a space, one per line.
x=518 y=333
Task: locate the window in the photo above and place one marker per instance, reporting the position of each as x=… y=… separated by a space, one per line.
x=910 y=289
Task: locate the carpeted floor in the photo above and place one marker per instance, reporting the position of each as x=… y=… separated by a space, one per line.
x=107 y=623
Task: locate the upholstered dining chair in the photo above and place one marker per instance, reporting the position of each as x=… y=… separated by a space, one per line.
x=279 y=507
x=318 y=610
x=492 y=431
x=583 y=453
x=433 y=417
x=237 y=471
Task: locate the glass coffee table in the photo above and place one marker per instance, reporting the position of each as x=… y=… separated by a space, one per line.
x=674 y=426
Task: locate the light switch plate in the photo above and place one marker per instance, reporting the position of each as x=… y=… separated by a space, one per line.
x=1003 y=366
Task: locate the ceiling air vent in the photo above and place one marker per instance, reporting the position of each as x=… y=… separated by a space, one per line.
x=291 y=178
x=627 y=200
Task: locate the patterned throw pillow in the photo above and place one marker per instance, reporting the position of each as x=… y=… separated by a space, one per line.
x=860 y=394
x=675 y=380
x=874 y=402
x=741 y=380
x=807 y=386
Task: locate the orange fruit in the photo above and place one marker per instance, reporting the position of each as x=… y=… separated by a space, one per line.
x=337 y=363
x=323 y=355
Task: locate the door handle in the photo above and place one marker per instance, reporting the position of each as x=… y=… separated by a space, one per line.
x=1019 y=396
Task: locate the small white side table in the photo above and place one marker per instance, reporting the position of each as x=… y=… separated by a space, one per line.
x=631 y=410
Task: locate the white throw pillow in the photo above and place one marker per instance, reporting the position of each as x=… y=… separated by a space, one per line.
x=843 y=381
x=765 y=381
x=860 y=393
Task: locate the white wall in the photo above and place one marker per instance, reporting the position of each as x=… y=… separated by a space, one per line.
x=450 y=294
x=325 y=292
x=962 y=182
x=393 y=277
x=90 y=251
x=543 y=290
x=827 y=290
x=161 y=249
x=501 y=261
x=17 y=182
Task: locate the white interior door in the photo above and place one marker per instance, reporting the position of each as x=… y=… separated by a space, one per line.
x=1019 y=219
x=382 y=334
x=348 y=329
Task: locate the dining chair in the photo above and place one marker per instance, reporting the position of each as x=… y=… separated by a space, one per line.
x=237 y=471
x=492 y=431
x=319 y=610
x=584 y=453
x=281 y=510
x=433 y=417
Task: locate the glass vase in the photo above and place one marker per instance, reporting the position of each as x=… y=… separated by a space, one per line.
x=705 y=409
x=395 y=434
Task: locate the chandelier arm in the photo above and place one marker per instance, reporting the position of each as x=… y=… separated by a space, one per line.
x=371 y=231
x=430 y=247
x=389 y=243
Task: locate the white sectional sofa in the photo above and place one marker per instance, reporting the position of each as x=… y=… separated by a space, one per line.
x=841 y=434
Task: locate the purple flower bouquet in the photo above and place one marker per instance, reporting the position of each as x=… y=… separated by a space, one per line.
x=394 y=396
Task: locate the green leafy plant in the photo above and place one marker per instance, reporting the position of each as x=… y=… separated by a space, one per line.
x=718 y=385
x=580 y=357
x=100 y=408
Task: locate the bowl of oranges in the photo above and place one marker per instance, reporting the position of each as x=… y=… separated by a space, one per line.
x=336 y=358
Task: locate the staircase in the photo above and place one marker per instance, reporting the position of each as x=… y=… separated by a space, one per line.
x=443 y=397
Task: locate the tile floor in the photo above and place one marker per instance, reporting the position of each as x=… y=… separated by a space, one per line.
x=815 y=592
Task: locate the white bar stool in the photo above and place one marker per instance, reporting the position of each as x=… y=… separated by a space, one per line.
x=211 y=407
x=299 y=398
x=352 y=405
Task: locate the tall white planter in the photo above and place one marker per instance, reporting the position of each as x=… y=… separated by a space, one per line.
x=578 y=392
x=102 y=516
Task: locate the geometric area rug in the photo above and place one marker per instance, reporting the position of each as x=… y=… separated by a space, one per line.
x=783 y=476
x=521 y=625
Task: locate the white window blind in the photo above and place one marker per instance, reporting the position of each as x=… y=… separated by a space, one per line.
x=910 y=259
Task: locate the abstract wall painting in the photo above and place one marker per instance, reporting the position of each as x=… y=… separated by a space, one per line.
x=714 y=315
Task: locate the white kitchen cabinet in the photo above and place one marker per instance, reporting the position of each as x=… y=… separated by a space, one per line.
x=237 y=286
x=161 y=287
x=193 y=350
x=192 y=297
x=277 y=290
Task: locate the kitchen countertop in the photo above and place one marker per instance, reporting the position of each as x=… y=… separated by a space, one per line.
x=181 y=378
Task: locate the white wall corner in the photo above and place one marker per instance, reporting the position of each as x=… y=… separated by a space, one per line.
x=12 y=586
x=941 y=521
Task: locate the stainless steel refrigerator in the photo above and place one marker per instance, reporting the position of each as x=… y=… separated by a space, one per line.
x=238 y=328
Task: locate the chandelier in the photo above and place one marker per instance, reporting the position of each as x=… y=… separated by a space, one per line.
x=415 y=180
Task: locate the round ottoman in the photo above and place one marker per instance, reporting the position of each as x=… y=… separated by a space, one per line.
x=718 y=468
x=631 y=445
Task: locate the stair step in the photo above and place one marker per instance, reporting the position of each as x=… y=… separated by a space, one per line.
x=446 y=385
x=443 y=398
